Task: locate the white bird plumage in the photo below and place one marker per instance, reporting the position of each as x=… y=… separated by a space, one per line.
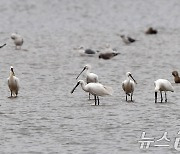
x=95 y=89
x=90 y=77
x=18 y=40
x=13 y=83
x=162 y=85
x=128 y=85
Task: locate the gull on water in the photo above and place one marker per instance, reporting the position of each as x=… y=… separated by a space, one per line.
x=86 y=52
x=108 y=53
x=127 y=40
x=176 y=77
x=90 y=77
x=18 y=40
x=95 y=89
x=162 y=85
x=13 y=83
x=128 y=85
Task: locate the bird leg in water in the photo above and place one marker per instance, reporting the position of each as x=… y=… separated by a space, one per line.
x=95 y=99
x=131 y=96
x=11 y=93
x=89 y=96
x=126 y=97
x=161 y=96
x=165 y=97
x=98 y=99
x=155 y=97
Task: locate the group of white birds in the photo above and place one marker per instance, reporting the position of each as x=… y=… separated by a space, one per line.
x=92 y=86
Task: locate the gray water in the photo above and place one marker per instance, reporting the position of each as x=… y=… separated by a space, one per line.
x=45 y=117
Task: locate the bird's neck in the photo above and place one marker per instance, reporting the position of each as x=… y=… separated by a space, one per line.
x=11 y=74
x=83 y=85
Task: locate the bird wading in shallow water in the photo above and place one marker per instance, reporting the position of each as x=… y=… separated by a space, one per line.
x=13 y=83
x=162 y=85
x=176 y=77
x=90 y=77
x=95 y=89
x=128 y=85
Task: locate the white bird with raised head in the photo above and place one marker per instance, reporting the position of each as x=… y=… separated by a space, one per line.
x=162 y=85
x=13 y=83
x=18 y=40
x=90 y=77
x=95 y=89
x=128 y=85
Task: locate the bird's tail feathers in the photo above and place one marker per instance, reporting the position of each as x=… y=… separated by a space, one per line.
x=109 y=90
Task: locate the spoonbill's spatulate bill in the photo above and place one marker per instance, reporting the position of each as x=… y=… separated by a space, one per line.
x=90 y=77
x=176 y=77
x=18 y=40
x=128 y=85
x=162 y=85
x=13 y=82
x=2 y=45
x=95 y=89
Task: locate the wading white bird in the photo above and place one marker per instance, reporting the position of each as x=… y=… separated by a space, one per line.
x=18 y=40
x=90 y=77
x=13 y=83
x=128 y=85
x=162 y=85
x=95 y=89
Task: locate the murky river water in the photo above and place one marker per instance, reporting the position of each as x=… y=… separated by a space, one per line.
x=46 y=118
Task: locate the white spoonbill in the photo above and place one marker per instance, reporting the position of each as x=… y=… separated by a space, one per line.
x=90 y=77
x=128 y=85
x=13 y=82
x=162 y=85
x=95 y=89
x=18 y=40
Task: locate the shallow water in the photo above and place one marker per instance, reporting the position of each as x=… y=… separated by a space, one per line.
x=45 y=117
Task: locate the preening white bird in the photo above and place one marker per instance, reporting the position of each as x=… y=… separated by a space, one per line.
x=95 y=89
x=162 y=85
x=18 y=40
x=90 y=77
x=13 y=83
x=128 y=85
